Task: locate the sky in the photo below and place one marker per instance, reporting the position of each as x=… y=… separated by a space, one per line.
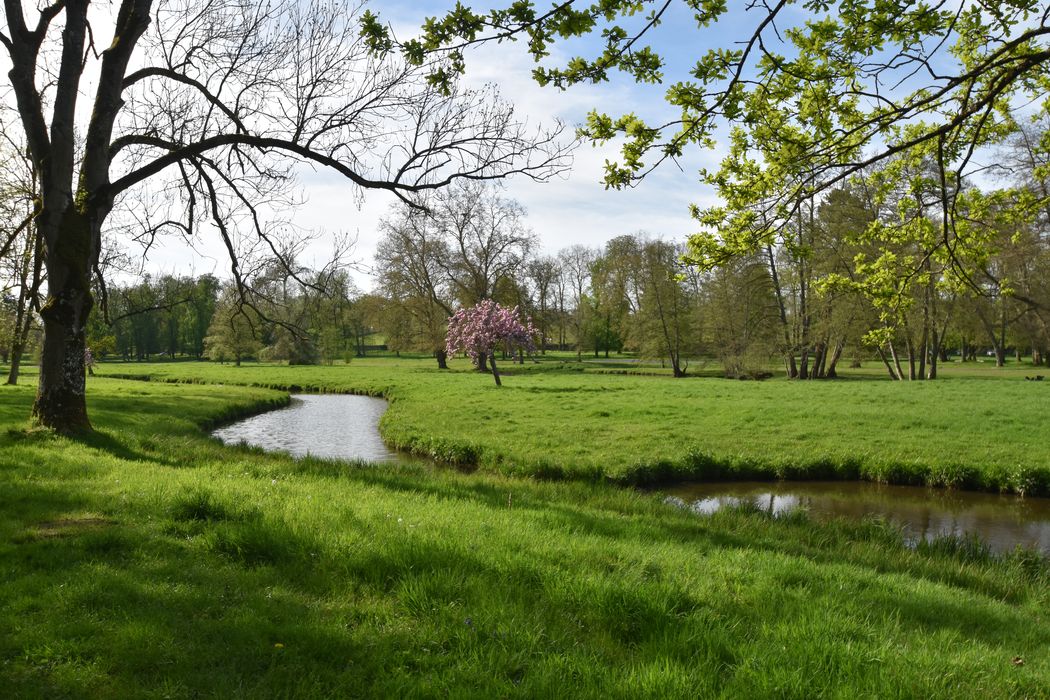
x=574 y=209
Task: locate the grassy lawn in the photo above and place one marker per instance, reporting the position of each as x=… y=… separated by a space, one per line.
x=151 y=561
x=978 y=427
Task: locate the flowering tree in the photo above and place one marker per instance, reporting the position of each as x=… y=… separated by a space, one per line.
x=482 y=329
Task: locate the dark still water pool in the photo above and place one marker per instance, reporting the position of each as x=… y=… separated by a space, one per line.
x=1003 y=522
x=319 y=425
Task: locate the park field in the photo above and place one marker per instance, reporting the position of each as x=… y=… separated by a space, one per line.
x=149 y=560
x=977 y=427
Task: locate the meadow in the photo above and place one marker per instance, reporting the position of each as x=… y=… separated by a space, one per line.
x=149 y=560
x=977 y=427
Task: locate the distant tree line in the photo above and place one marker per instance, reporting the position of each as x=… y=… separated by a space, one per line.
x=856 y=274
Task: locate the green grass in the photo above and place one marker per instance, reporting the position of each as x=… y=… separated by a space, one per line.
x=151 y=561
x=977 y=428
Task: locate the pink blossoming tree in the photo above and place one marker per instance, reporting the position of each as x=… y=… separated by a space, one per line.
x=482 y=329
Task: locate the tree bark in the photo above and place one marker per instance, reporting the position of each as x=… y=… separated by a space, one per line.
x=831 y=372
x=820 y=360
x=789 y=359
x=442 y=358
x=885 y=361
x=495 y=372
x=60 y=401
x=483 y=362
x=935 y=352
x=16 y=362
x=23 y=322
x=21 y=338
x=910 y=347
x=896 y=361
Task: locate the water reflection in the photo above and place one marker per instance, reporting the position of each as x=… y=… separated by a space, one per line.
x=325 y=425
x=1003 y=522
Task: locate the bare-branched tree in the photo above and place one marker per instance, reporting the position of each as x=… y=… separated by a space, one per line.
x=410 y=272
x=217 y=104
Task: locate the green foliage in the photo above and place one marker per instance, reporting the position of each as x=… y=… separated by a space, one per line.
x=167 y=314
x=810 y=92
x=233 y=331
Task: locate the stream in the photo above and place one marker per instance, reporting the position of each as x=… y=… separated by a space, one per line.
x=1002 y=522
x=347 y=427
x=336 y=426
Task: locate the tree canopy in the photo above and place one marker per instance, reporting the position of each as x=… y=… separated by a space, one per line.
x=486 y=327
x=805 y=93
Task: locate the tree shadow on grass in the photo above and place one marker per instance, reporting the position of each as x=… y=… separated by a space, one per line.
x=24 y=503
x=106 y=442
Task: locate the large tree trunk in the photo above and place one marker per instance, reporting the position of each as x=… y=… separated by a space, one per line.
x=16 y=362
x=60 y=400
x=483 y=362
x=924 y=350
x=820 y=360
x=442 y=358
x=72 y=207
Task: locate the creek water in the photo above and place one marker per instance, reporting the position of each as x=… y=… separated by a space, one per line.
x=347 y=427
x=1002 y=522
x=319 y=425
